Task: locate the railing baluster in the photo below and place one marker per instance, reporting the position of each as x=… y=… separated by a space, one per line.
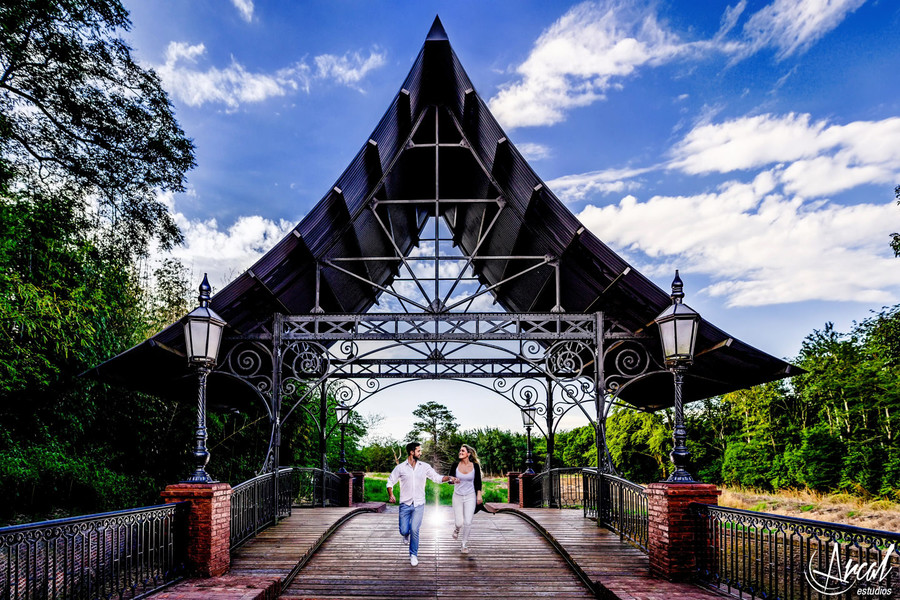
x=768 y=556
x=83 y=557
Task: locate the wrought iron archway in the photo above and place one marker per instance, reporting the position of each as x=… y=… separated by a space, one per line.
x=548 y=360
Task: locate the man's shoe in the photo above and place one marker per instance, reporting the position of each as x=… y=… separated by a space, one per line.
x=456 y=533
x=413 y=559
x=405 y=539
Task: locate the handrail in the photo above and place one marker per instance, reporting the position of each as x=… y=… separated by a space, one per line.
x=773 y=556
x=618 y=505
x=254 y=505
x=559 y=488
x=257 y=503
x=316 y=487
x=127 y=553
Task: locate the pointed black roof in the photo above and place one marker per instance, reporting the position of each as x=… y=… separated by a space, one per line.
x=593 y=277
x=437 y=33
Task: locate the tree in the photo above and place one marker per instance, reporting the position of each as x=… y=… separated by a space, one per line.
x=639 y=443
x=438 y=422
x=172 y=292
x=78 y=114
x=88 y=140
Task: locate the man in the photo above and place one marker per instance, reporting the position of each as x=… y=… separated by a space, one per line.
x=411 y=474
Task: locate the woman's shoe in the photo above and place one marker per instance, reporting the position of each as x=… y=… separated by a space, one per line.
x=456 y=533
x=464 y=550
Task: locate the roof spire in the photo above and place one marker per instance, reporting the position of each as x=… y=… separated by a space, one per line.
x=436 y=33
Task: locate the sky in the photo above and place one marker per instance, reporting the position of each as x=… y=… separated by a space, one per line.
x=755 y=146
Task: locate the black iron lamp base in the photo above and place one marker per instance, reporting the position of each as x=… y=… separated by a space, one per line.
x=200 y=476
x=680 y=476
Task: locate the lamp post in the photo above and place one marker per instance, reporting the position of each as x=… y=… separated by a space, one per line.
x=678 y=325
x=528 y=421
x=343 y=417
x=202 y=336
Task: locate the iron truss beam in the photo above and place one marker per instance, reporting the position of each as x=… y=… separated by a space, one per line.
x=444 y=327
x=447 y=368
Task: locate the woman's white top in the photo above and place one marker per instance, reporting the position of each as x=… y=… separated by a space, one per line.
x=466 y=483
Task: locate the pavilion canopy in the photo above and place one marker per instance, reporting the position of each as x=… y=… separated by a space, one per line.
x=479 y=162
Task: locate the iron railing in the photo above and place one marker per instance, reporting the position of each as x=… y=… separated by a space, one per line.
x=591 y=482
x=559 y=488
x=619 y=504
x=254 y=507
x=625 y=509
x=123 y=554
x=761 y=555
x=316 y=487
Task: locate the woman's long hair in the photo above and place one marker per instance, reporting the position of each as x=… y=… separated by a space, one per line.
x=473 y=457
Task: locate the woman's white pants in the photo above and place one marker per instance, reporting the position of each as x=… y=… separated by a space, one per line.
x=463 y=511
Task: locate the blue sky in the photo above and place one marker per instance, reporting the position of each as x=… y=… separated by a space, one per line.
x=753 y=145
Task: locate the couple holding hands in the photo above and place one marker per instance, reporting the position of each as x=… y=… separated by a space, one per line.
x=412 y=473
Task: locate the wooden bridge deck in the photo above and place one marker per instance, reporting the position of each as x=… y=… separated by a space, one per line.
x=366 y=559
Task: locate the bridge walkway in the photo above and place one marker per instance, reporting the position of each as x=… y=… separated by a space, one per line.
x=356 y=554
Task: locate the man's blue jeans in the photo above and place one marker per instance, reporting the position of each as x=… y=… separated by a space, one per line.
x=410 y=522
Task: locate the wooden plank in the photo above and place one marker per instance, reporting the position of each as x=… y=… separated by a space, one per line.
x=619 y=568
x=278 y=549
x=367 y=559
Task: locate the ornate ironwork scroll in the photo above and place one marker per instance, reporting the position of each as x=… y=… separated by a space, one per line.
x=548 y=360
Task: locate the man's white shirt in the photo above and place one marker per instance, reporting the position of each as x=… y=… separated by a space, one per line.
x=412 y=481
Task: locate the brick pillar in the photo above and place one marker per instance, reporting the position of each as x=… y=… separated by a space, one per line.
x=512 y=487
x=209 y=525
x=360 y=476
x=526 y=494
x=345 y=489
x=676 y=534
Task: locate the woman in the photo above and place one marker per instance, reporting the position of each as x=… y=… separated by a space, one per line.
x=467 y=493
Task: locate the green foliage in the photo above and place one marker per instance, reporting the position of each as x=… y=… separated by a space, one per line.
x=833 y=428
x=381 y=455
x=820 y=459
x=639 y=443
x=79 y=117
x=172 y=294
x=742 y=461
x=87 y=141
x=499 y=451
x=437 y=422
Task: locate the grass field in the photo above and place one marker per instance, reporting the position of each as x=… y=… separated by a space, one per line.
x=807 y=504
x=494 y=490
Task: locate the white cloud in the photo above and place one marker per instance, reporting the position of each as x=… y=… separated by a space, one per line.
x=350 y=68
x=793 y=26
x=596 y=45
x=759 y=246
x=575 y=61
x=235 y=85
x=814 y=158
x=533 y=152
x=572 y=188
x=730 y=18
x=223 y=253
x=245 y=8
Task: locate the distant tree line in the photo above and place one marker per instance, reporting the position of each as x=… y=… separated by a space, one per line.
x=833 y=428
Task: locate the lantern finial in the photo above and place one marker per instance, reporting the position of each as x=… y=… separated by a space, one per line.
x=677 y=289
x=205 y=289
